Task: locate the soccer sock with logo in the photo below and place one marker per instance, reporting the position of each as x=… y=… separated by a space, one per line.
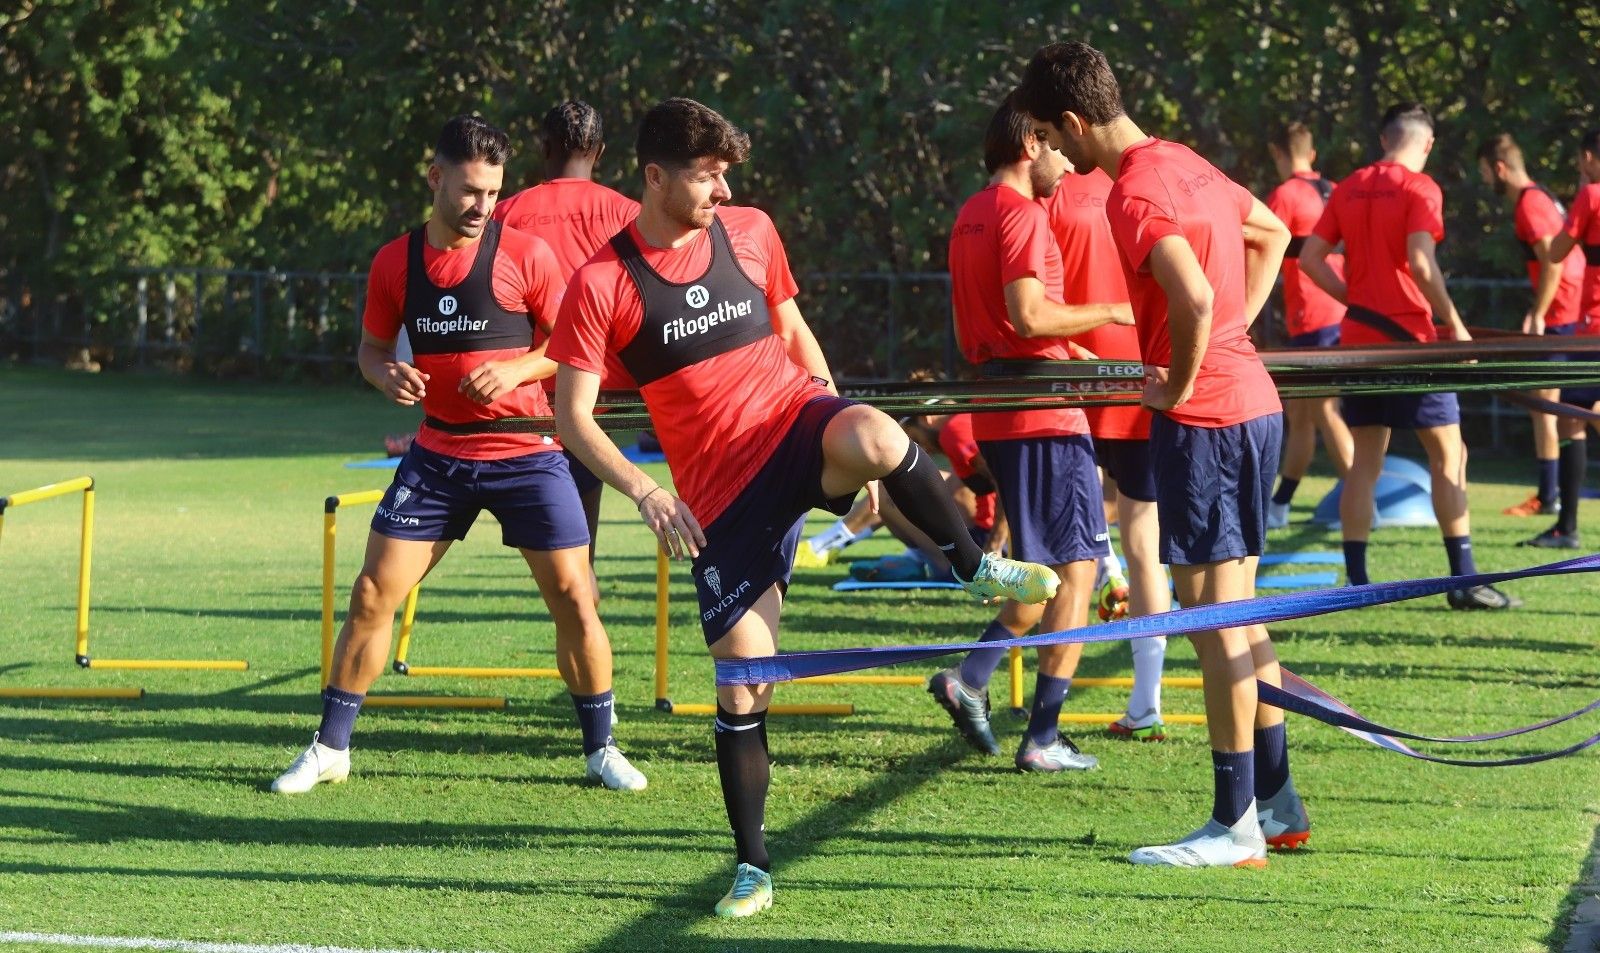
x=1043 y=721
x=339 y=711
x=746 y=771
x=1272 y=760
x=979 y=665
x=919 y=491
x=1459 y=551
x=1574 y=460
x=1286 y=488
x=594 y=720
x=1548 y=479
x=1355 y=562
x=1233 y=785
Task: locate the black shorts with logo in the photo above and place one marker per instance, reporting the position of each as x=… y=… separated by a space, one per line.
x=750 y=547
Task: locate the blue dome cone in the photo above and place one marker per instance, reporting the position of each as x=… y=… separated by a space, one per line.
x=1403 y=497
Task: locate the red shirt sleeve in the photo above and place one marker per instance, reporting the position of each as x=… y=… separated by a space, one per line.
x=1327 y=227
x=1138 y=224
x=1279 y=204
x=1425 y=207
x=543 y=286
x=1025 y=240
x=386 y=292
x=1243 y=198
x=1582 y=212
x=583 y=329
x=781 y=285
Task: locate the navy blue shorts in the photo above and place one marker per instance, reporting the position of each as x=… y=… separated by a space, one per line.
x=582 y=476
x=1212 y=487
x=436 y=497
x=1051 y=496
x=1585 y=397
x=1401 y=411
x=1563 y=331
x=1128 y=463
x=750 y=546
x=1321 y=337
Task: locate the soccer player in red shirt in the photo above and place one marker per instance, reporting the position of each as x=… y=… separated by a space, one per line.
x=1199 y=255
x=469 y=292
x=1390 y=217
x=575 y=215
x=1309 y=314
x=1538 y=217
x=1006 y=285
x=696 y=301
x=1093 y=269
x=1582 y=228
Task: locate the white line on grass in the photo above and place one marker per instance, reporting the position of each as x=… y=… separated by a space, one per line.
x=183 y=946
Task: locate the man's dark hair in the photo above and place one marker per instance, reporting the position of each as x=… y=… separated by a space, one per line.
x=1293 y=140
x=676 y=132
x=471 y=139
x=1591 y=142
x=572 y=129
x=1069 y=77
x=1404 y=120
x=1500 y=147
x=1006 y=137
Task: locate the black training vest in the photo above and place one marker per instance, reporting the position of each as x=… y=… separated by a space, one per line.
x=687 y=323
x=1325 y=190
x=1528 y=251
x=466 y=316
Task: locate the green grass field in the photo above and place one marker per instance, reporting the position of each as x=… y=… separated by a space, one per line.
x=471 y=830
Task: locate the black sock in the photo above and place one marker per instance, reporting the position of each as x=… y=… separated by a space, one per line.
x=1574 y=461
x=1233 y=785
x=919 y=491
x=980 y=664
x=1049 y=692
x=1459 y=551
x=339 y=711
x=1272 y=760
x=1355 y=562
x=594 y=720
x=1286 y=488
x=746 y=771
x=1547 y=480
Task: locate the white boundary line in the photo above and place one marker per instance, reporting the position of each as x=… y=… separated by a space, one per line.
x=183 y=946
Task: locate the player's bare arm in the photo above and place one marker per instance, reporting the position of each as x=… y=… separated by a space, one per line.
x=1549 y=282
x=1189 y=298
x=1266 y=238
x=491 y=380
x=1314 y=265
x=397 y=380
x=1034 y=315
x=790 y=326
x=1425 y=270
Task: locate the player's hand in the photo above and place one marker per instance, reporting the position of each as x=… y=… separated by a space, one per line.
x=1532 y=324
x=872 y=497
x=1122 y=315
x=404 y=384
x=489 y=381
x=1158 y=394
x=1457 y=331
x=675 y=527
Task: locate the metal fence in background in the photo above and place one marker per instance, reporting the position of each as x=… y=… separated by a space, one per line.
x=872 y=325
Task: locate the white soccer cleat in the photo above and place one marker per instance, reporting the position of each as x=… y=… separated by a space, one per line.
x=609 y=767
x=316 y=764
x=1241 y=845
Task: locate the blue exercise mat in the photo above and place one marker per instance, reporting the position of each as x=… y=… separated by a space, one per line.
x=382 y=463
x=1301 y=581
x=635 y=455
x=1302 y=559
x=1308 y=580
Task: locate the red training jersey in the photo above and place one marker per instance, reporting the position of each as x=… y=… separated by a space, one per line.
x=1306 y=308
x=1164 y=189
x=1000 y=236
x=575 y=216
x=1540 y=216
x=961 y=447
x=1372 y=212
x=1093 y=275
x=1583 y=224
x=719 y=420
x=525 y=279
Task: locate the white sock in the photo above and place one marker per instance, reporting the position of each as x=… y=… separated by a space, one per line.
x=834 y=537
x=1149 y=655
x=1112 y=565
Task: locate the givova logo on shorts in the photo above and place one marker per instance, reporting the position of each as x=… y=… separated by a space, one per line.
x=713 y=580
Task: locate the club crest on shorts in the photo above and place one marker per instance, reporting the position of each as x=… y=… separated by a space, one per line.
x=714 y=580
x=697 y=296
x=401 y=495
x=447 y=305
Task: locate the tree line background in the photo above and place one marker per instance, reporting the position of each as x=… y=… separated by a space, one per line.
x=293 y=134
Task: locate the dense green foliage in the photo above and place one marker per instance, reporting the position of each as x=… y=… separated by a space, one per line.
x=470 y=830
x=292 y=133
